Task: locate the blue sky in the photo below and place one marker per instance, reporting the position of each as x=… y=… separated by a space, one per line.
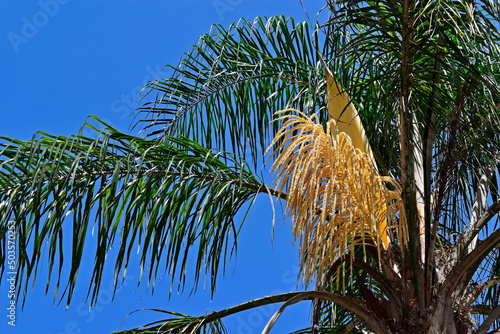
x=63 y=60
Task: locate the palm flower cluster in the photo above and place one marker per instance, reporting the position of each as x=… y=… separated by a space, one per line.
x=336 y=198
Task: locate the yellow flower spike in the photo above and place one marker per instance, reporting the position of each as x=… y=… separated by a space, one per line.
x=343 y=111
x=336 y=197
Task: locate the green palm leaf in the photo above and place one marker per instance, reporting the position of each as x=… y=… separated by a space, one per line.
x=208 y=323
x=235 y=79
x=165 y=198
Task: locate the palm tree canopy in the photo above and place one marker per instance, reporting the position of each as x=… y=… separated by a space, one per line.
x=422 y=81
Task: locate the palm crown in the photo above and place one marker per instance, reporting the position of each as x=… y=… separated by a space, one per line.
x=411 y=250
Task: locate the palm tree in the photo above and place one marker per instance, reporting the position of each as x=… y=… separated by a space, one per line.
x=397 y=234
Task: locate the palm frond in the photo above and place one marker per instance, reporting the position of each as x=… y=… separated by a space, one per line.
x=235 y=79
x=179 y=324
x=161 y=198
x=208 y=323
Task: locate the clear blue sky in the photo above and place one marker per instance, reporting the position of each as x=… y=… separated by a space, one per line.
x=63 y=60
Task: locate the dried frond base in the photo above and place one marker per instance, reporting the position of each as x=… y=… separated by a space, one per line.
x=336 y=197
